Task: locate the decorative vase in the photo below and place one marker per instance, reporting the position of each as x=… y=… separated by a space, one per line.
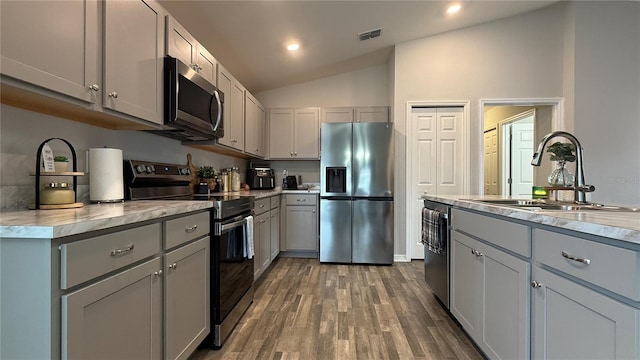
x=561 y=176
x=61 y=166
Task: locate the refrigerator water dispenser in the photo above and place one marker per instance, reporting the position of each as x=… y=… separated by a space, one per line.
x=336 y=179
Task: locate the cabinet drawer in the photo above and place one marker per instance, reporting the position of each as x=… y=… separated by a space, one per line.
x=300 y=199
x=181 y=230
x=275 y=202
x=506 y=234
x=610 y=267
x=86 y=259
x=262 y=205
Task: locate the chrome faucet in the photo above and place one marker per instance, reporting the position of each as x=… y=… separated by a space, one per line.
x=579 y=187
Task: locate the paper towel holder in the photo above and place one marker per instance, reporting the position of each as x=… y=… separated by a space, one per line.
x=74 y=173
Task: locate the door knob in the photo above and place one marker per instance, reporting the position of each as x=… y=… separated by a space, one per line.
x=535 y=284
x=113 y=94
x=94 y=87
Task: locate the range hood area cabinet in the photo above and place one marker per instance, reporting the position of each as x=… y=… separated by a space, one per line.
x=71 y=74
x=184 y=47
x=294 y=133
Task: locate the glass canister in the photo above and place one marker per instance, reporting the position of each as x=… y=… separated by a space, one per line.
x=225 y=185
x=57 y=194
x=235 y=179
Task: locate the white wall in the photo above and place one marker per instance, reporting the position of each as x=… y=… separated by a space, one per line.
x=607 y=97
x=22 y=132
x=518 y=57
x=365 y=87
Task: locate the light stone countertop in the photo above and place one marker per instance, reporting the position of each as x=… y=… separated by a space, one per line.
x=623 y=226
x=49 y=224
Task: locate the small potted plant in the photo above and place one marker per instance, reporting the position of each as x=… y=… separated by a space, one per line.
x=208 y=174
x=562 y=153
x=60 y=163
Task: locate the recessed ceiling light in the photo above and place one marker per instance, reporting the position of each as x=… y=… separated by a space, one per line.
x=293 y=46
x=454 y=8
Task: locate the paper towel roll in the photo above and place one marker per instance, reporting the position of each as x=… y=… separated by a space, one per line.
x=106 y=182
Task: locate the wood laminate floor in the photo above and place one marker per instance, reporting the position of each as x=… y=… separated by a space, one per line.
x=307 y=310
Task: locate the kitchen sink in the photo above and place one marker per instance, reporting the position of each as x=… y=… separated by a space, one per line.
x=544 y=205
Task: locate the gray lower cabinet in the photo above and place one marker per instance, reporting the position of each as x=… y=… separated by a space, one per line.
x=301 y=219
x=490 y=297
x=572 y=316
x=535 y=292
x=574 y=322
x=117 y=318
x=186 y=298
x=274 y=215
x=262 y=243
x=139 y=292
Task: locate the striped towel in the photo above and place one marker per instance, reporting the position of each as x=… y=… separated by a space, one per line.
x=434 y=230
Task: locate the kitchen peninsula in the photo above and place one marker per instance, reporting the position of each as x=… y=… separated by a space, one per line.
x=545 y=284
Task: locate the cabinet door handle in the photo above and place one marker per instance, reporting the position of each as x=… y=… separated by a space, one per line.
x=291 y=153
x=113 y=94
x=580 y=260
x=301 y=200
x=94 y=87
x=173 y=266
x=158 y=273
x=535 y=284
x=121 y=251
x=263 y=221
x=477 y=253
x=191 y=229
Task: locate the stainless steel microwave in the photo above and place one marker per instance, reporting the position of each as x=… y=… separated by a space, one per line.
x=193 y=107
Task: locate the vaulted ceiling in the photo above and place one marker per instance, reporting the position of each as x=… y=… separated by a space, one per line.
x=249 y=37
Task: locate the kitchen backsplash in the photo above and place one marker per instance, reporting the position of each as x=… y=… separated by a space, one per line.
x=22 y=132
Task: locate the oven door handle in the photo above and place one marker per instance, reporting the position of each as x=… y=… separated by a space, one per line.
x=232 y=225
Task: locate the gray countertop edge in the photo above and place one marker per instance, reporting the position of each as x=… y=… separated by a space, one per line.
x=623 y=226
x=49 y=224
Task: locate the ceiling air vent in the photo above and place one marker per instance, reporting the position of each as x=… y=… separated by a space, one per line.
x=370 y=34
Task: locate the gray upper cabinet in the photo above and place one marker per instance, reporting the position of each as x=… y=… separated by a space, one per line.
x=294 y=133
x=54 y=52
x=133 y=58
x=233 y=110
x=184 y=47
x=180 y=44
x=337 y=115
x=355 y=114
x=254 y=126
x=372 y=114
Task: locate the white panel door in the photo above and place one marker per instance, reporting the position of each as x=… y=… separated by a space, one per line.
x=437 y=162
x=306 y=138
x=491 y=162
x=449 y=164
x=521 y=154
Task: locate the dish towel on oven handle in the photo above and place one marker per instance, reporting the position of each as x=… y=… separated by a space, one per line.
x=433 y=230
x=248 y=238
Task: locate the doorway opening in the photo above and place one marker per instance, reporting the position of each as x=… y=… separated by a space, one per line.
x=511 y=130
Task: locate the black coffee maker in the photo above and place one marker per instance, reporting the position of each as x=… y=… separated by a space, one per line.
x=290 y=182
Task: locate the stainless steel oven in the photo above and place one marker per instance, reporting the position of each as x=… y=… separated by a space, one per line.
x=231 y=267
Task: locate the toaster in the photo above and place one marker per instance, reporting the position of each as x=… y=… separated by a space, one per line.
x=261 y=178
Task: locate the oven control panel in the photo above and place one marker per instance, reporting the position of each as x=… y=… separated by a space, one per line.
x=138 y=170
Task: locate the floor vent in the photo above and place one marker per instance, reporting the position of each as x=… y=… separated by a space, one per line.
x=370 y=34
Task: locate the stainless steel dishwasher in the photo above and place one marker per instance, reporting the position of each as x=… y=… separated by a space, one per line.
x=436 y=265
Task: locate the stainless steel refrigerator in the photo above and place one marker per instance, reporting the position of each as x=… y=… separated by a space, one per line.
x=356 y=196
